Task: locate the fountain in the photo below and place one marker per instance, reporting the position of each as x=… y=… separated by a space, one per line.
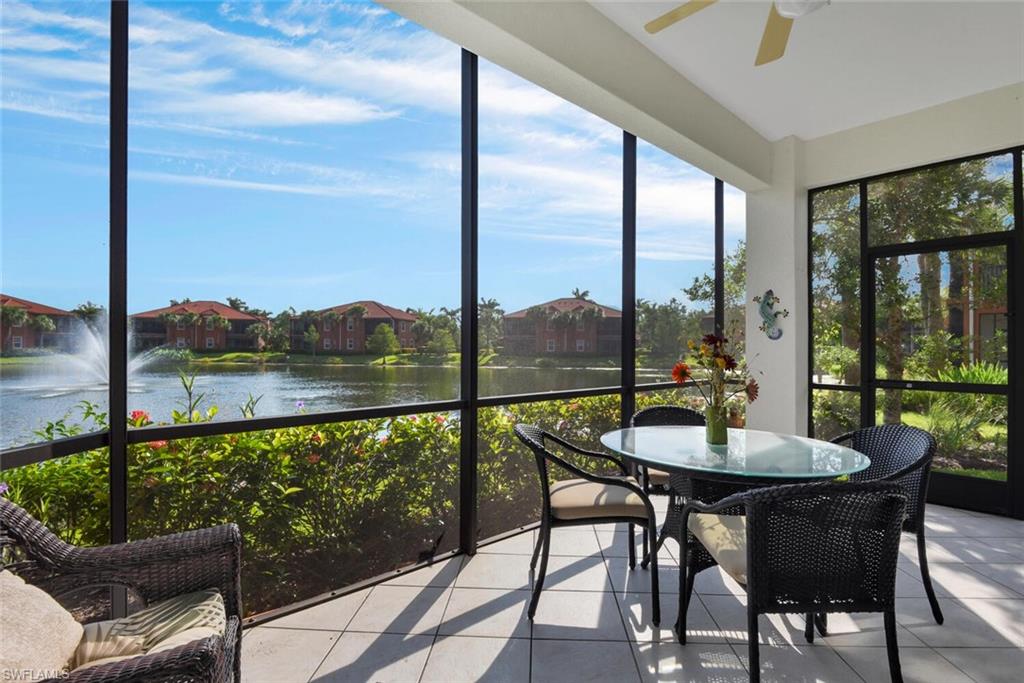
x=86 y=369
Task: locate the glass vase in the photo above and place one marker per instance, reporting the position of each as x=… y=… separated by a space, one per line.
x=717 y=425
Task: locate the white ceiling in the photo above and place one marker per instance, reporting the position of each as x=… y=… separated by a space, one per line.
x=847 y=64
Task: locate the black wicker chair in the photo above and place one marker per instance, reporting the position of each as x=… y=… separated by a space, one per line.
x=656 y=482
x=903 y=455
x=589 y=499
x=151 y=570
x=802 y=549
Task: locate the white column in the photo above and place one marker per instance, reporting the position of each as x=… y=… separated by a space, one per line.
x=777 y=260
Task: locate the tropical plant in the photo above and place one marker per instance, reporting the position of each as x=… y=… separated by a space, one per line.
x=90 y=314
x=383 y=342
x=11 y=317
x=43 y=324
x=311 y=337
x=490 y=318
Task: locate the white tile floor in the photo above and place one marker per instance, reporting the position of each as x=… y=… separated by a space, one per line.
x=465 y=620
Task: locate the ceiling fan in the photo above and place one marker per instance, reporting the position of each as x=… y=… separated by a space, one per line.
x=776 y=30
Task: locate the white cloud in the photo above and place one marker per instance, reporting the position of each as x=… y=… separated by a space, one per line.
x=339 y=190
x=20 y=13
x=278 y=108
x=12 y=39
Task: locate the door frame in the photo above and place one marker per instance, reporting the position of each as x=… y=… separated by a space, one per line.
x=974 y=493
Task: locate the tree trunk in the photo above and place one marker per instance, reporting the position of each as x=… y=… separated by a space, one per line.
x=891 y=300
x=955 y=304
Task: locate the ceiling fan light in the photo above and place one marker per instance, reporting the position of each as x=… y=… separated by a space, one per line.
x=794 y=9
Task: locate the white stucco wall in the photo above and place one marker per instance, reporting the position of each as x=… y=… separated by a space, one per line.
x=777 y=221
x=777 y=260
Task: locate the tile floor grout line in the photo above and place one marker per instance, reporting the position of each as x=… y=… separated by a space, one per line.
x=326 y=655
x=850 y=666
x=437 y=629
x=615 y=597
x=953 y=664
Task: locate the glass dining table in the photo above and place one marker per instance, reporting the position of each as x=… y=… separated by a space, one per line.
x=750 y=459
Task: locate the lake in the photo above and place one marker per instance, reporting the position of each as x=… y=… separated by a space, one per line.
x=30 y=394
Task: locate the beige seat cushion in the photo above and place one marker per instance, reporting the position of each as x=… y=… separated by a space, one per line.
x=725 y=537
x=657 y=477
x=38 y=636
x=162 y=626
x=582 y=499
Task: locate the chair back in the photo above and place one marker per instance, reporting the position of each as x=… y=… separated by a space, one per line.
x=660 y=416
x=23 y=539
x=898 y=453
x=812 y=546
x=533 y=438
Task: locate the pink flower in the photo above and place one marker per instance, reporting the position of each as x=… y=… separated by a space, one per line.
x=157 y=445
x=439 y=419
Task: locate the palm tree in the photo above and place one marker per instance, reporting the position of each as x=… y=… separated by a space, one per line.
x=11 y=317
x=583 y=294
x=89 y=313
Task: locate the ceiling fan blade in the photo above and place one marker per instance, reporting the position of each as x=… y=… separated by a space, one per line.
x=678 y=14
x=774 y=38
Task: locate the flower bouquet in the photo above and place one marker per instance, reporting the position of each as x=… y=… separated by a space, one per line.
x=722 y=377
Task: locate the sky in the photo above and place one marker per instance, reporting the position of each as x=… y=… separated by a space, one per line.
x=308 y=154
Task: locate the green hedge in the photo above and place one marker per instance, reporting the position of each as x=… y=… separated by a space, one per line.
x=320 y=507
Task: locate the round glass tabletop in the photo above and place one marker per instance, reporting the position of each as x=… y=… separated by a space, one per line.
x=749 y=453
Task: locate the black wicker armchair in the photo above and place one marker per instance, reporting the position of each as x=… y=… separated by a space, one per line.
x=903 y=455
x=656 y=482
x=589 y=499
x=802 y=549
x=150 y=570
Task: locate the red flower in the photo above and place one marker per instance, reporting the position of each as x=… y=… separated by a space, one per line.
x=714 y=340
x=730 y=362
x=315 y=438
x=681 y=372
x=157 y=445
x=439 y=419
x=752 y=390
x=313 y=458
x=139 y=418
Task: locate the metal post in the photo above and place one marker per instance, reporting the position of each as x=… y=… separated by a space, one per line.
x=470 y=336
x=867 y=317
x=117 y=317
x=1015 y=258
x=628 y=395
x=118 y=286
x=719 y=257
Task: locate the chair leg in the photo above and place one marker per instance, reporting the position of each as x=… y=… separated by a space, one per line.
x=538 y=582
x=753 y=653
x=536 y=550
x=655 y=598
x=809 y=628
x=922 y=558
x=892 y=647
x=632 y=547
x=821 y=621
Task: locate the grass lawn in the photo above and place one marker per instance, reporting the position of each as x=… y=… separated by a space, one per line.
x=276 y=358
x=24 y=360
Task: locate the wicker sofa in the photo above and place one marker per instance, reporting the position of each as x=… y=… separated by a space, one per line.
x=150 y=571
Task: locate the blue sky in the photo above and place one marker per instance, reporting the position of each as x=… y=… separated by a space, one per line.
x=307 y=154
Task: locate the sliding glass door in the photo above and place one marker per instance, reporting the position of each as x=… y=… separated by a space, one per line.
x=912 y=293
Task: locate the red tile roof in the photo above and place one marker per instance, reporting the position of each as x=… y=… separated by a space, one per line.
x=374 y=310
x=31 y=307
x=199 y=308
x=570 y=304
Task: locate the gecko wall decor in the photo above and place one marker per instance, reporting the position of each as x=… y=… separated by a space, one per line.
x=770 y=317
